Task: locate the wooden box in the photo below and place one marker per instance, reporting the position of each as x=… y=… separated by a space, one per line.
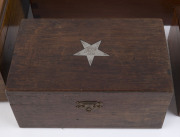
x=105 y=73
x=2 y=90
x=11 y=13
x=3 y=30
x=105 y=9
x=174 y=48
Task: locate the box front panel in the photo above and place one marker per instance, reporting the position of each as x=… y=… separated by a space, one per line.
x=106 y=9
x=90 y=109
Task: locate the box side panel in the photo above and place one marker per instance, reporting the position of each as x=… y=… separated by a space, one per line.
x=3 y=28
x=2 y=96
x=2 y=89
x=119 y=110
x=174 y=48
x=4 y=14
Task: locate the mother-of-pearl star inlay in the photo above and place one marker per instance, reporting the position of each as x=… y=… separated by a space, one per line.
x=90 y=51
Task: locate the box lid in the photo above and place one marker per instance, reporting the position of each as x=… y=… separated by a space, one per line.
x=56 y=55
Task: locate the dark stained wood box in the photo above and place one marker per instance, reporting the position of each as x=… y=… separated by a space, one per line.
x=2 y=90
x=174 y=48
x=11 y=13
x=3 y=30
x=105 y=9
x=105 y=73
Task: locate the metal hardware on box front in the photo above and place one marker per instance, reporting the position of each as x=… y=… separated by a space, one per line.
x=89 y=105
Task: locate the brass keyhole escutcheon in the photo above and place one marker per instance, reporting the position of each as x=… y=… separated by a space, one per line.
x=89 y=105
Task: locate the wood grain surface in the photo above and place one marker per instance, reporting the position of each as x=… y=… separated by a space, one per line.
x=2 y=90
x=12 y=13
x=46 y=80
x=3 y=31
x=120 y=109
x=44 y=56
x=18 y=9
x=105 y=9
x=3 y=24
x=174 y=47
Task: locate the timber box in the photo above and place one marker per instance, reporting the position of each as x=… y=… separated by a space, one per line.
x=11 y=13
x=105 y=9
x=105 y=73
x=174 y=48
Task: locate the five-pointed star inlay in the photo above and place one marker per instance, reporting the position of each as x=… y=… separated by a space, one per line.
x=90 y=51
